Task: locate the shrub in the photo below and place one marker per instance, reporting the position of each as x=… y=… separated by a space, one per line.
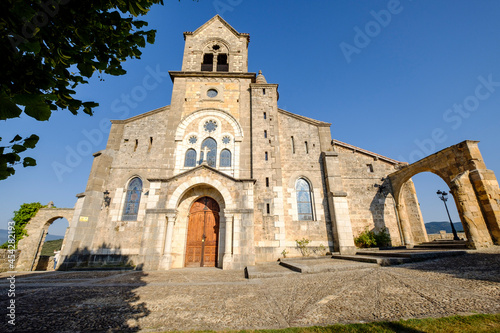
x=302 y=245
x=371 y=239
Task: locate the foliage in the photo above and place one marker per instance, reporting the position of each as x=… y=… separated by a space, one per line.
x=284 y=253
x=50 y=246
x=302 y=245
x=49 y=47
x=369 y=238
x=21 y=219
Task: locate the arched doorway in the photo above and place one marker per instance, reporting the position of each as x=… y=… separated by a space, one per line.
x=203 y=233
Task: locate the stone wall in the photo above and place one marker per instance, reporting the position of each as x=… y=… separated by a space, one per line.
x=5 y=265
x=443 y=235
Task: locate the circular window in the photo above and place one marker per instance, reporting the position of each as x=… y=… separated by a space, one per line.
x=226 y=140
x=210 y=126
x=212 y=93
x=193 y=139
x=215 y=47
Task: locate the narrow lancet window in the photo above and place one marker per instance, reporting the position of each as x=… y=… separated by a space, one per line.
x=190 y=159
x=225 y=158
x=304 y=200
x=132 y=200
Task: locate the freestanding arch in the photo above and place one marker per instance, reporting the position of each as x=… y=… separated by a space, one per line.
x=37 y=228
x=474 y=188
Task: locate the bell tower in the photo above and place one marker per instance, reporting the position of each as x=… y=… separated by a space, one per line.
x=215 y=47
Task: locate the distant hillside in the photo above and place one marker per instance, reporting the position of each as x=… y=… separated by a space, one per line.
x=4 y=236
x=435 y=227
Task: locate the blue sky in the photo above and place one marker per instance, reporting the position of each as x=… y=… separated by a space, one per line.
x=402 y=79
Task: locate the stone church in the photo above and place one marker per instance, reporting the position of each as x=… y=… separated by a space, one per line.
x=223 y=177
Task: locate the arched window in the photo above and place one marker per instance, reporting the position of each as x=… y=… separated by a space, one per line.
x=132 y=200
x=190 y=159
x=211 y=146
x=225 y=158
x=304 y=200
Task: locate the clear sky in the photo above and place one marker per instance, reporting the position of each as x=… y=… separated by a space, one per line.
x=400 y=78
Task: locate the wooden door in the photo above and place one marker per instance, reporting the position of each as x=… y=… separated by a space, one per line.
x=203 y=233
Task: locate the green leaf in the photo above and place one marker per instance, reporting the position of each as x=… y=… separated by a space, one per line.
x=8 y=109
x=16 y=149
x=26 y=99
x=86 y=69
x=16 y=138
x=28 y=161
x=39 y=111
x=31 y=141
x=32 y=47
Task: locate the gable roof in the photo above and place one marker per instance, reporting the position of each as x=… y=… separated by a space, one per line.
x=142 y=115
x=366 y=152
x=199 y=167
x=304 y=119
x=220 y=19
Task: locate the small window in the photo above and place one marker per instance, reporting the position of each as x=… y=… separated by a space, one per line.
x=222 y=65
x=150 y=143
x=225 y=158
x=307 y=148
x=265 y=134
x=263 y=91
x=369 y=168
x=268 y=209
x=304 y=200
x=190 y=159
x=136 y=144
x=265 y=115
x=208 y=62
x=293 y=145
x=267 y=181
x=132 y=200
x=266 y=156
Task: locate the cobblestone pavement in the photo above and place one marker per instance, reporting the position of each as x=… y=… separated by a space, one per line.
x=190 y=299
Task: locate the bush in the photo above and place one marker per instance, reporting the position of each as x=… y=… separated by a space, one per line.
x=371 y=239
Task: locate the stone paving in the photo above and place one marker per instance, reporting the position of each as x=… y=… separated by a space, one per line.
x=201 y=298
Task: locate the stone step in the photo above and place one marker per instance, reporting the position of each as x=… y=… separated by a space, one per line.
x=382 y=261
x=412 y=254
x=448 y=245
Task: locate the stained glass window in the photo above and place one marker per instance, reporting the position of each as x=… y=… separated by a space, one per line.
x=211 y=145
x=304 y=200
x=210 y=126
x=190 y=159
x=193 y=139
x=132 y=200
x=226 y=140
x=225 y=158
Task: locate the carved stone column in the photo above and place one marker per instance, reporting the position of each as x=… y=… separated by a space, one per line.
x=166 y=262
x=228 y=241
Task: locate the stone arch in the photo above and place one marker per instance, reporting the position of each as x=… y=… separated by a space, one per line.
x=181 y=128
x=183 y=205
x=474 y=189
x=37 y=228
x=178 y=193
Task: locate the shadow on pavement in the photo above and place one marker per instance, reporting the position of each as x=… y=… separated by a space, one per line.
x=70 y=301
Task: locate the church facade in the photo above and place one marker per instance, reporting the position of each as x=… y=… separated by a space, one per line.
x=223 y=177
